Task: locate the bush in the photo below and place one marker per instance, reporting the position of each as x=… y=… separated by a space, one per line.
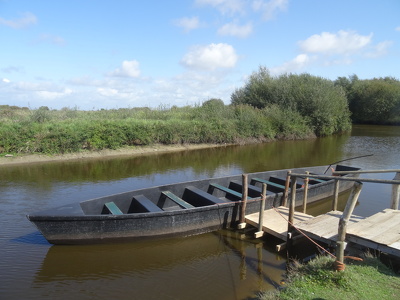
x=322 y=104
x=375 y=101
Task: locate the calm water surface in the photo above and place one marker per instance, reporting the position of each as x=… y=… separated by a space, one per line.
x=221 y=265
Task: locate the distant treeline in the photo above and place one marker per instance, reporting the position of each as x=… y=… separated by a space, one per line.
x=372 y=101
x=266 y=108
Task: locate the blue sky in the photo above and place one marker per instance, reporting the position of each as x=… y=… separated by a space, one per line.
x=91 y=54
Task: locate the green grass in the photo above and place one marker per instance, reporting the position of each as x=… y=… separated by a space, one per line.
x=369 y=279
x=25 y=131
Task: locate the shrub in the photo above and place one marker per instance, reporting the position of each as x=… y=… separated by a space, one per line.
x=322 y=104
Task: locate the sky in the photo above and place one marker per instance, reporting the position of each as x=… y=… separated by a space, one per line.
x=95 y=54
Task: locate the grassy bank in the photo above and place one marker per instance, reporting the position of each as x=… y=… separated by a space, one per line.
x=369 y=279
x=45 y=131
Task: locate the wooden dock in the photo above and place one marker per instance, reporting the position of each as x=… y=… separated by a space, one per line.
x=380 y=231
x=275 y=221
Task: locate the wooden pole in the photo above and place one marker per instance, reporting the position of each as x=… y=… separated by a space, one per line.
x=305 y=198
x=289 y=237
x=286 y=193
x=292 y=203
x=242 y=222
x=335 y=195
x=351 y=203
x=395 y=193
x=260 y=231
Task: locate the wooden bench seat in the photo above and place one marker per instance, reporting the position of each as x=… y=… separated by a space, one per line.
x=268 y=183
x=224 y=189
x=140 y=203
x=113 y=208
x=317 y=180
x=252 y=190
x=177 y=200
x=198 y=197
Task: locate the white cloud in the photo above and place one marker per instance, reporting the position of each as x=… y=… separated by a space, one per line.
x=327 y=49
x=225 y=6
x=50 y=95
x=43 y=90
x=233 y=29
x=343 y=42
x=6 y=80
x=397 y=28
x=379 y=50
x=269 y=8
x=211 y=57
x=297 y=64
x=26 y=20
x=188 y=24
x=128 y=69
x=126 y=93
x=107 y=92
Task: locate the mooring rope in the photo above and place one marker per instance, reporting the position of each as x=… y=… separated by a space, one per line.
x=339 y=266
x=319 y=246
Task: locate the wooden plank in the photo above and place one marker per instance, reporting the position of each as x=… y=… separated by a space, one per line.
x=379 y=231
x=227 y=190
x=275 y=223
x=324 y=227
x=113 y=208
x=177 y=200
x=374 y=226
x=146 y=203
x=268 y=183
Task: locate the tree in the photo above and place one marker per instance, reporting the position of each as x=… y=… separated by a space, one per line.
x=375 y=101
x=322 y=104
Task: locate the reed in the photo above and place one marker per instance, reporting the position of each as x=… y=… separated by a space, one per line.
x=69 y=130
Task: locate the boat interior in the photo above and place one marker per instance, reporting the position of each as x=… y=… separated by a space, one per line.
x=190 y=196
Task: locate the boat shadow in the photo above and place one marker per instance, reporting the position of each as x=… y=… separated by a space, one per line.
x=34 y=238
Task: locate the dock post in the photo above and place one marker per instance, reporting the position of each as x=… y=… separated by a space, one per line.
x=395 y=193
x=305 y=198
x=242 y=222
x=292 y=204
x=286 y=193
x=260 y=231
x=335 y=195
x=351 y=203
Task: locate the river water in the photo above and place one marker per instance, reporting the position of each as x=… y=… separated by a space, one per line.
x=220 y=265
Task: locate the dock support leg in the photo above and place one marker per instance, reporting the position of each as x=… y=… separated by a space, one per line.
x=242 y=222
x=335 y=195
x=260 y=231
x=286 y=193
x=395 y=193
x=292 y=204
x=305 y=198
x=351 y=203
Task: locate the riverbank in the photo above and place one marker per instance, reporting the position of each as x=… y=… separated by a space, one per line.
x=367 y=279
x=106 y=153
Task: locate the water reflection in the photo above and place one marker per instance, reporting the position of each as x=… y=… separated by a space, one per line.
x=203 y=163
x=179 y=268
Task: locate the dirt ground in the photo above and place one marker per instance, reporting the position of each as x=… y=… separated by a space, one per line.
x=127 y=151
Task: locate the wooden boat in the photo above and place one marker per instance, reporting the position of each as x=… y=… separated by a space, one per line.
x=177 y=209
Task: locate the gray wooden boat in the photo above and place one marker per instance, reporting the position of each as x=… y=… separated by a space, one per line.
x=185 y=208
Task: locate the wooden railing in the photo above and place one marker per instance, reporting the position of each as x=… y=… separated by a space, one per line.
x=351 y=202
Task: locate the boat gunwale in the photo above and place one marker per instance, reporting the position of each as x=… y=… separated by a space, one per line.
x=46 y=214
